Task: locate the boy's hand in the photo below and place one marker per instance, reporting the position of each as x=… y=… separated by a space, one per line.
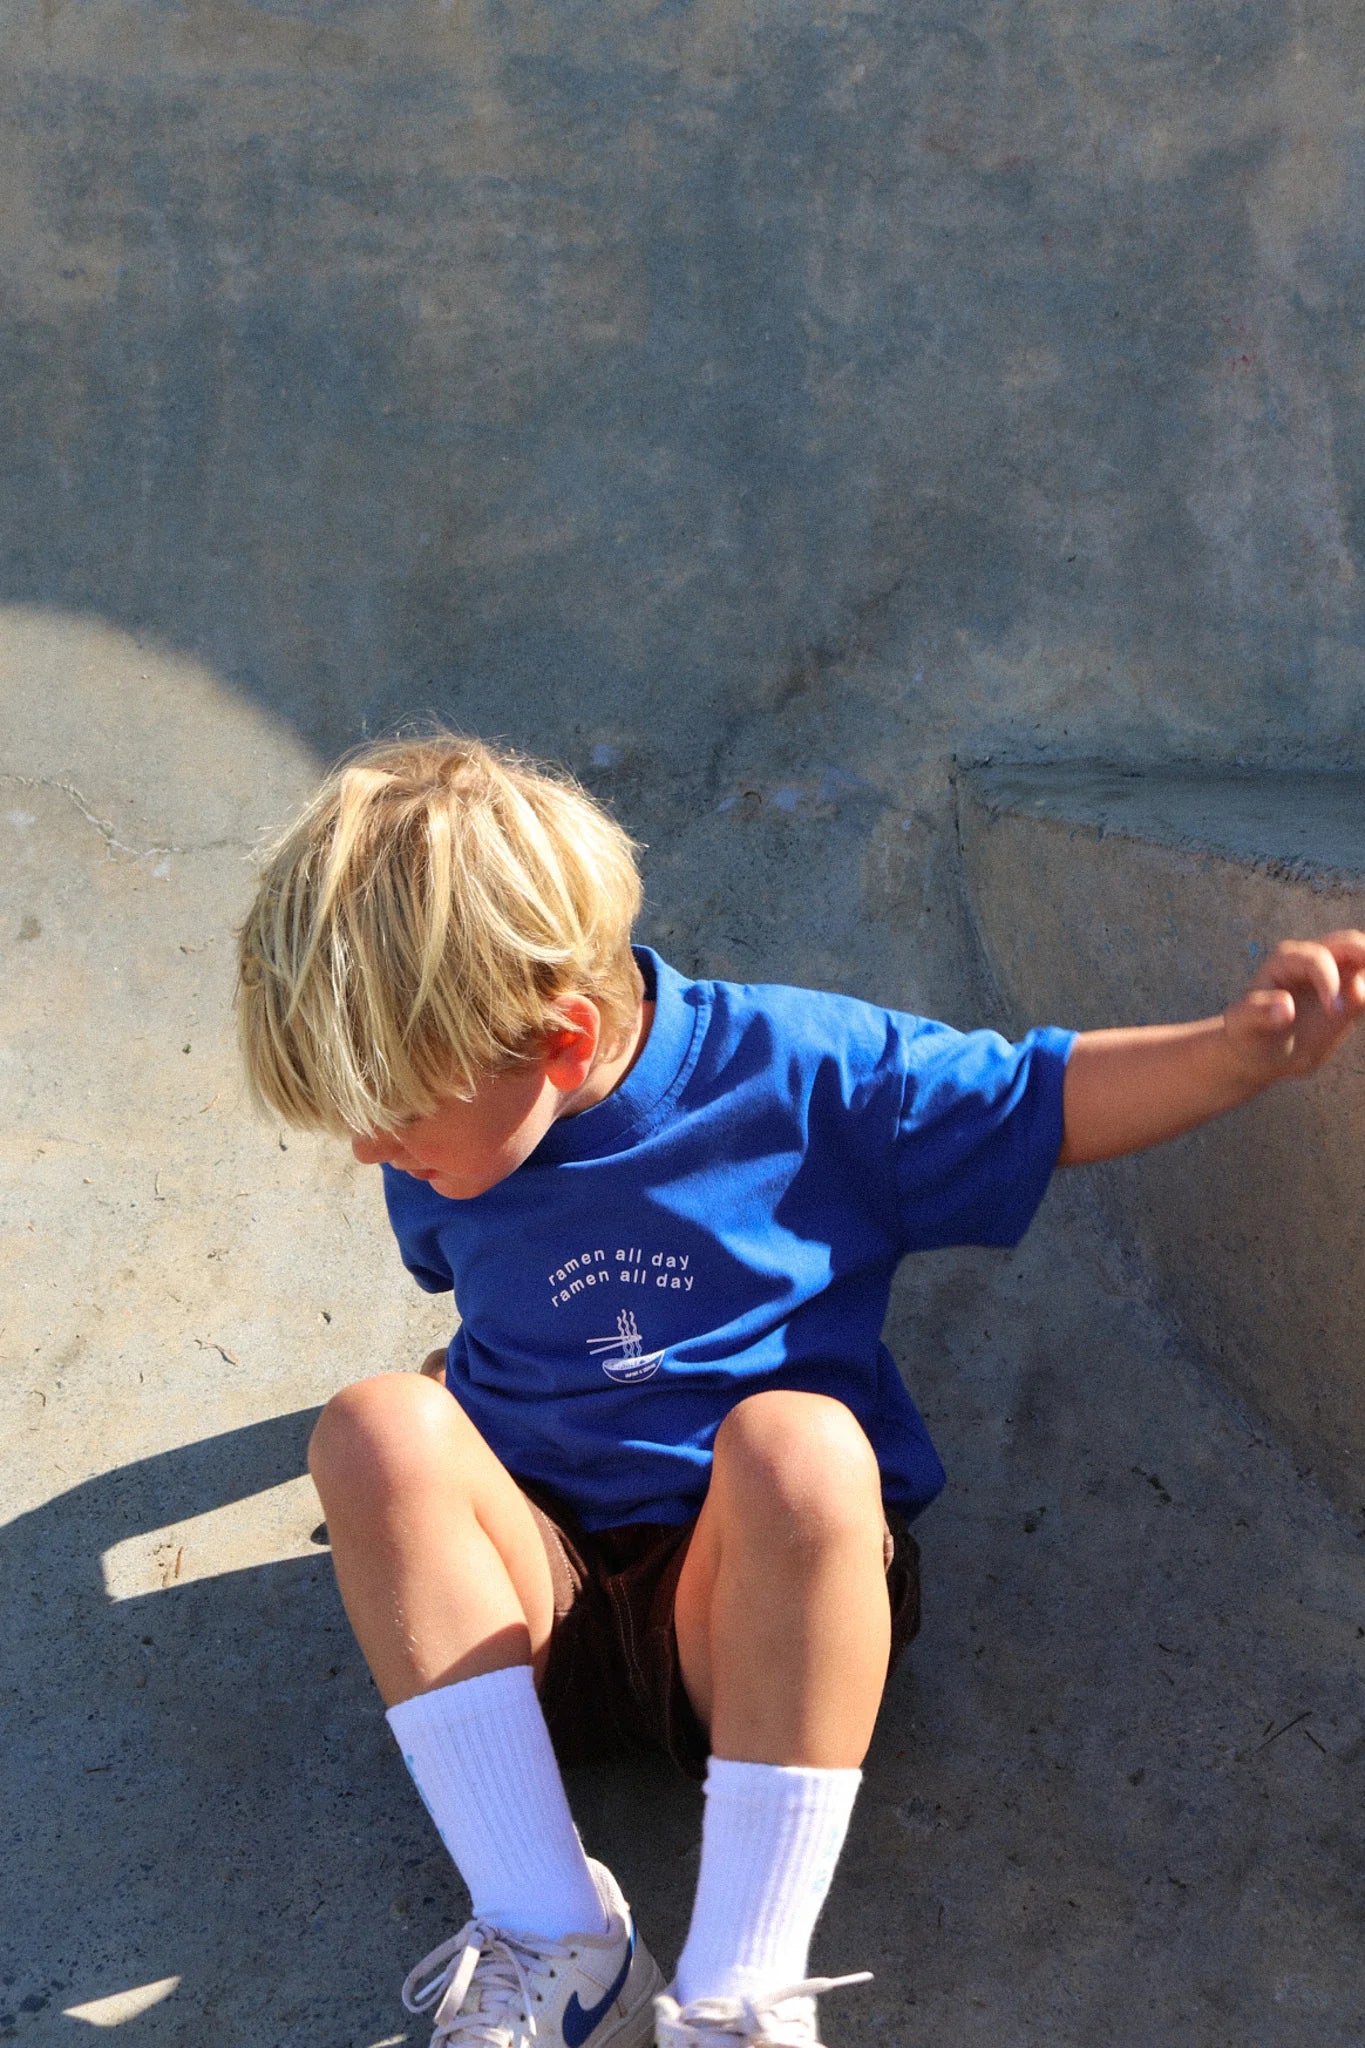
x=1129 y=1089
x=1302 y=1003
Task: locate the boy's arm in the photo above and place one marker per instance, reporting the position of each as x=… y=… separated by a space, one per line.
x=1128 y=1089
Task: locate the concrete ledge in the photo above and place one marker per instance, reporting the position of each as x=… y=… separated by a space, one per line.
x=1103 y=897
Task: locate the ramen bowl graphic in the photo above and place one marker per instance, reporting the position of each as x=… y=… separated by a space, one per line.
x=632 y=1362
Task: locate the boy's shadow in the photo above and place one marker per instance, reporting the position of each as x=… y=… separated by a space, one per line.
x=200 y=1785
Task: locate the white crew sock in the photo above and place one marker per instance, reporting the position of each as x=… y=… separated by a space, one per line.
x=480 y=1756
x=770 y=1841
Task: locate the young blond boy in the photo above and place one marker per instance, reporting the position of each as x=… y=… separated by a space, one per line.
x=669 y=1499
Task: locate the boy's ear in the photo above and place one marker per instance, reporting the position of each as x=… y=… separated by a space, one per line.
x=570 y=1051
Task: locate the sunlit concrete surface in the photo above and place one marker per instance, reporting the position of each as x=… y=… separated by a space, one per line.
x=767 y=411
x=123 y=2006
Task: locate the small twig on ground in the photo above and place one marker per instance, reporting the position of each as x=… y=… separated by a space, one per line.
x=207 y=1344
x=1282 y=1731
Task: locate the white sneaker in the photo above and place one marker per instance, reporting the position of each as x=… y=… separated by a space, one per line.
x=489 y=1989
x=778 y=2019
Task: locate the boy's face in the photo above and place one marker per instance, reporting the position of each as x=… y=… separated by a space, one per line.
x=465 y=1148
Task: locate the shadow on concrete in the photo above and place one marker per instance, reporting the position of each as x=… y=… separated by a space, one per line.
x=211 y=1756
x=132 y=1718
x=599 y=381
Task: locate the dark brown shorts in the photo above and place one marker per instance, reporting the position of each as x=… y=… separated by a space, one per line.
x=612 y=1681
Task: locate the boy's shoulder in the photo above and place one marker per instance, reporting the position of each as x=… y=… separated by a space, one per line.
x=801 y=1029
x=816 y=1015
x=845 y=1062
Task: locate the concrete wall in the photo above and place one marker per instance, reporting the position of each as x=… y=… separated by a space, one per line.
x=1109 y=900
x=980 y=378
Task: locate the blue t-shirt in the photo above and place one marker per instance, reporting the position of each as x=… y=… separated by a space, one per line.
x=728 y=1220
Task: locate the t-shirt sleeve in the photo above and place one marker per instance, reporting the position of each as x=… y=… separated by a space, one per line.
x=409 y=1203
x=979 y=1132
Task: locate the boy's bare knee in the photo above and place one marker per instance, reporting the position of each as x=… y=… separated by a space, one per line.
x=783 y=1428
x=803 y=1458
x=383 y=1432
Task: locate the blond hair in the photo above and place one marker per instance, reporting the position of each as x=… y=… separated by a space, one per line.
x=414 y=929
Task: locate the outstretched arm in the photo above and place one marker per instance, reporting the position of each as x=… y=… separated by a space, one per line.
x=1128 y=1089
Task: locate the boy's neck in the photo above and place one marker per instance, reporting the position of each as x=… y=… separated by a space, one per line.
x=608 y=1074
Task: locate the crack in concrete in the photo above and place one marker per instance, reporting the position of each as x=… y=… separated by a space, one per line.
x=804 y=669
x=860 y=640
x=113 y=844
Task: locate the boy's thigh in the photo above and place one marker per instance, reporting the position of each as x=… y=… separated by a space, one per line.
x=611 y=1680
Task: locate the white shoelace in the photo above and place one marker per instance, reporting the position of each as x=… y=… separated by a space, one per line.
x=720 y=2022
x=506 y=1968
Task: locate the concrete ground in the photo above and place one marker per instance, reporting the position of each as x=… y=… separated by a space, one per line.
x=1114 y=1794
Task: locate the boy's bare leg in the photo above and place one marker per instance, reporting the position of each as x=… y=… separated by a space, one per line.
x=444 y=1577
x=782 y=1613
x=784 y=1624
x=440 y=1563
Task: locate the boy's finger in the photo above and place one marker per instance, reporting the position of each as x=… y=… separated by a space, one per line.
x=1348 y=950
x=1270 y=1010
x=1296 y=961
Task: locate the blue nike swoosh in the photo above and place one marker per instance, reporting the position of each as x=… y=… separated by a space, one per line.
x=578 y=2023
